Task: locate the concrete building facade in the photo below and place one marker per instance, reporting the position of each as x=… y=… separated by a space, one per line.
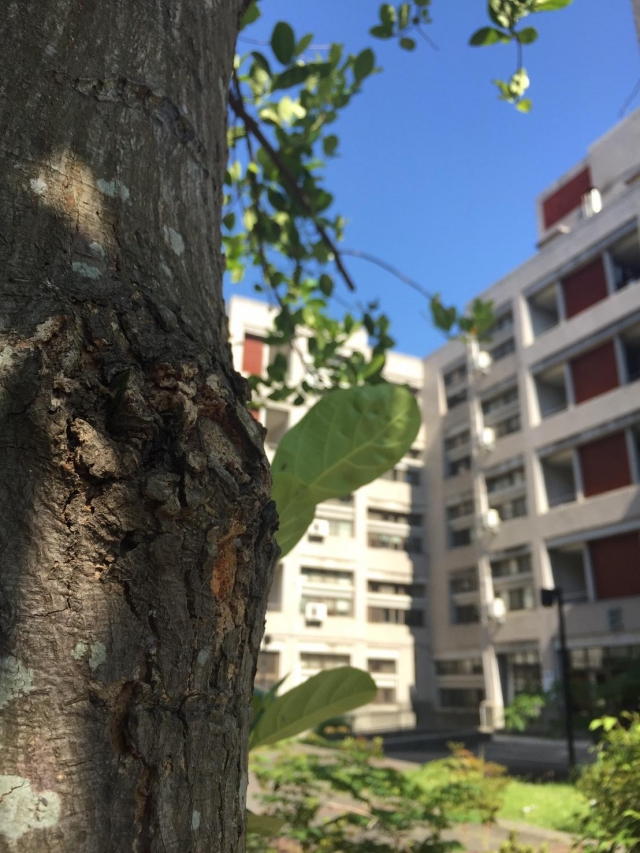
x=547 y=441
x=353 y=590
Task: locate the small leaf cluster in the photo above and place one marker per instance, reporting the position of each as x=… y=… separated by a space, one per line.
x=477 y=322
x=505 y=15
x=402 y=22
x=279 y=221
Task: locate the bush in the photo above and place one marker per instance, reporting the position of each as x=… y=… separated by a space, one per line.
x=524 y=709
x=612 y=785
x=346 y=801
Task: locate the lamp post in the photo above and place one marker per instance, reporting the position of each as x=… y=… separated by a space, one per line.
x=547 y=598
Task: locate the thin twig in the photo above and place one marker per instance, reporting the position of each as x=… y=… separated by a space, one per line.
x=428 y=40
x=252 y=126
x=365 y=256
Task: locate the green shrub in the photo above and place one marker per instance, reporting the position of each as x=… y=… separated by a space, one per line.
x=612 y=785
x=524 y=709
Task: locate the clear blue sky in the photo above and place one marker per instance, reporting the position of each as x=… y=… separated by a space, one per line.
x=438 y=177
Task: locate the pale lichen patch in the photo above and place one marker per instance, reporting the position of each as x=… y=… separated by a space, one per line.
x=174 y=239
x=97 y=249
x=203 y=656
x=79 y=651
x=38 y=186
x=85 y=270
x=114 y=189
x=23 y=809
x=15 y=680
x=195 y=820
x=98 y=655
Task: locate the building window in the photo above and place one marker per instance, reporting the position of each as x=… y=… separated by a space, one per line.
x=385 y=696
x=511 y=566
x=465 y=614
x=584 y=288
x=415 y=590
x=503 y=322
x=459 y=466
x=460 y=509
x=394 y=542
x=566 y=198
x=458 y=374
x=276 y=423
x=595 y=372
x=383 y=666
x=464 y=581
x=338 y=527
x=339 y=607
x=462 y=697
x=512 y=478
x=459 y=439
x=500 y=401
x=268 y=670
x=395 y=616
x=515 y=508
x=503 y=349
x=411 y=518
x=605 y=464
x=615 y=561
x=459 y=666
x=327 y=576
x=253 y=354
x=322 y=660
x=507 y=426
x=521 y=598
x=460 y=538
x=456 y=399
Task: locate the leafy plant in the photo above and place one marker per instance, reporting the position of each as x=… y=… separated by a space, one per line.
x=524 y=709
x=612 y=785
x=379 y=809
x=514 y=845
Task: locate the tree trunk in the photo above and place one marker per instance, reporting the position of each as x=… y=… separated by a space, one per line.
x=136 y=533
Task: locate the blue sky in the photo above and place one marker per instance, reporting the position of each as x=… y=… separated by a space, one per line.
x=438 y=177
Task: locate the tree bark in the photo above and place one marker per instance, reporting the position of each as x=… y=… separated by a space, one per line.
x=136 y=532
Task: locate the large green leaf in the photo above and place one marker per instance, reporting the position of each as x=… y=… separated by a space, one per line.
x=263 y=824
x=349 y=437
x=328 y=694
x=283 y=42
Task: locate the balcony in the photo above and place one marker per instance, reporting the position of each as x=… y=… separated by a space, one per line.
x=551 y=390
x=544 y=310
x=625 y=260
x=570 y=572
x=559 y=478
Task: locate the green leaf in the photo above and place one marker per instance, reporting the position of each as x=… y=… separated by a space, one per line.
x=304 y=43
x=404 y=15
x=382 y=31
x=252 y=14
x=387 y=13
x=407 y=43
x=364 y=64
x=488 y=35
x=329 y=145
x=283 y=42
x=551 y=5
x=527 y=36
x=263 y=824
x=327 y=694
x=524 y=105
x=443 y=318
x=350 y=437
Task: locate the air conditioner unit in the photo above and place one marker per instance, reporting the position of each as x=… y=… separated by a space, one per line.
x=487 y=439
x=319 y=528
x=482 y=361
x=315 y=612
x=490 y=523
x=591 y=203
x=497 y=610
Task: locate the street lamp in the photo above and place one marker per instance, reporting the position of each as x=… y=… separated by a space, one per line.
x=547 y=599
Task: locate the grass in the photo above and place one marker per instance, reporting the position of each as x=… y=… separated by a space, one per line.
x=551 y=805
x=547 y=804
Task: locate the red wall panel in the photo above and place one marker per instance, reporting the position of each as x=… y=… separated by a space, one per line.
x=595 y=372
x=605 y=464
x=252 y=354
x=585 y=287
x=566 y=198
x=615 y=562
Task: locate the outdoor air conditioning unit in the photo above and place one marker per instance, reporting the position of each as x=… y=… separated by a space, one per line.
x=487 y=439
x=591 y=203
x=482 y=361
x=490 y=522
x=497 y=610
x=319 y=528
x=315 y=612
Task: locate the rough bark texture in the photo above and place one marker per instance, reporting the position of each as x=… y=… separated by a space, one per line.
x=136 y=533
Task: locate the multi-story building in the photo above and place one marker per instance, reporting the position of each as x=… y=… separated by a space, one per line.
x=547 y=437
x=353 y=590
